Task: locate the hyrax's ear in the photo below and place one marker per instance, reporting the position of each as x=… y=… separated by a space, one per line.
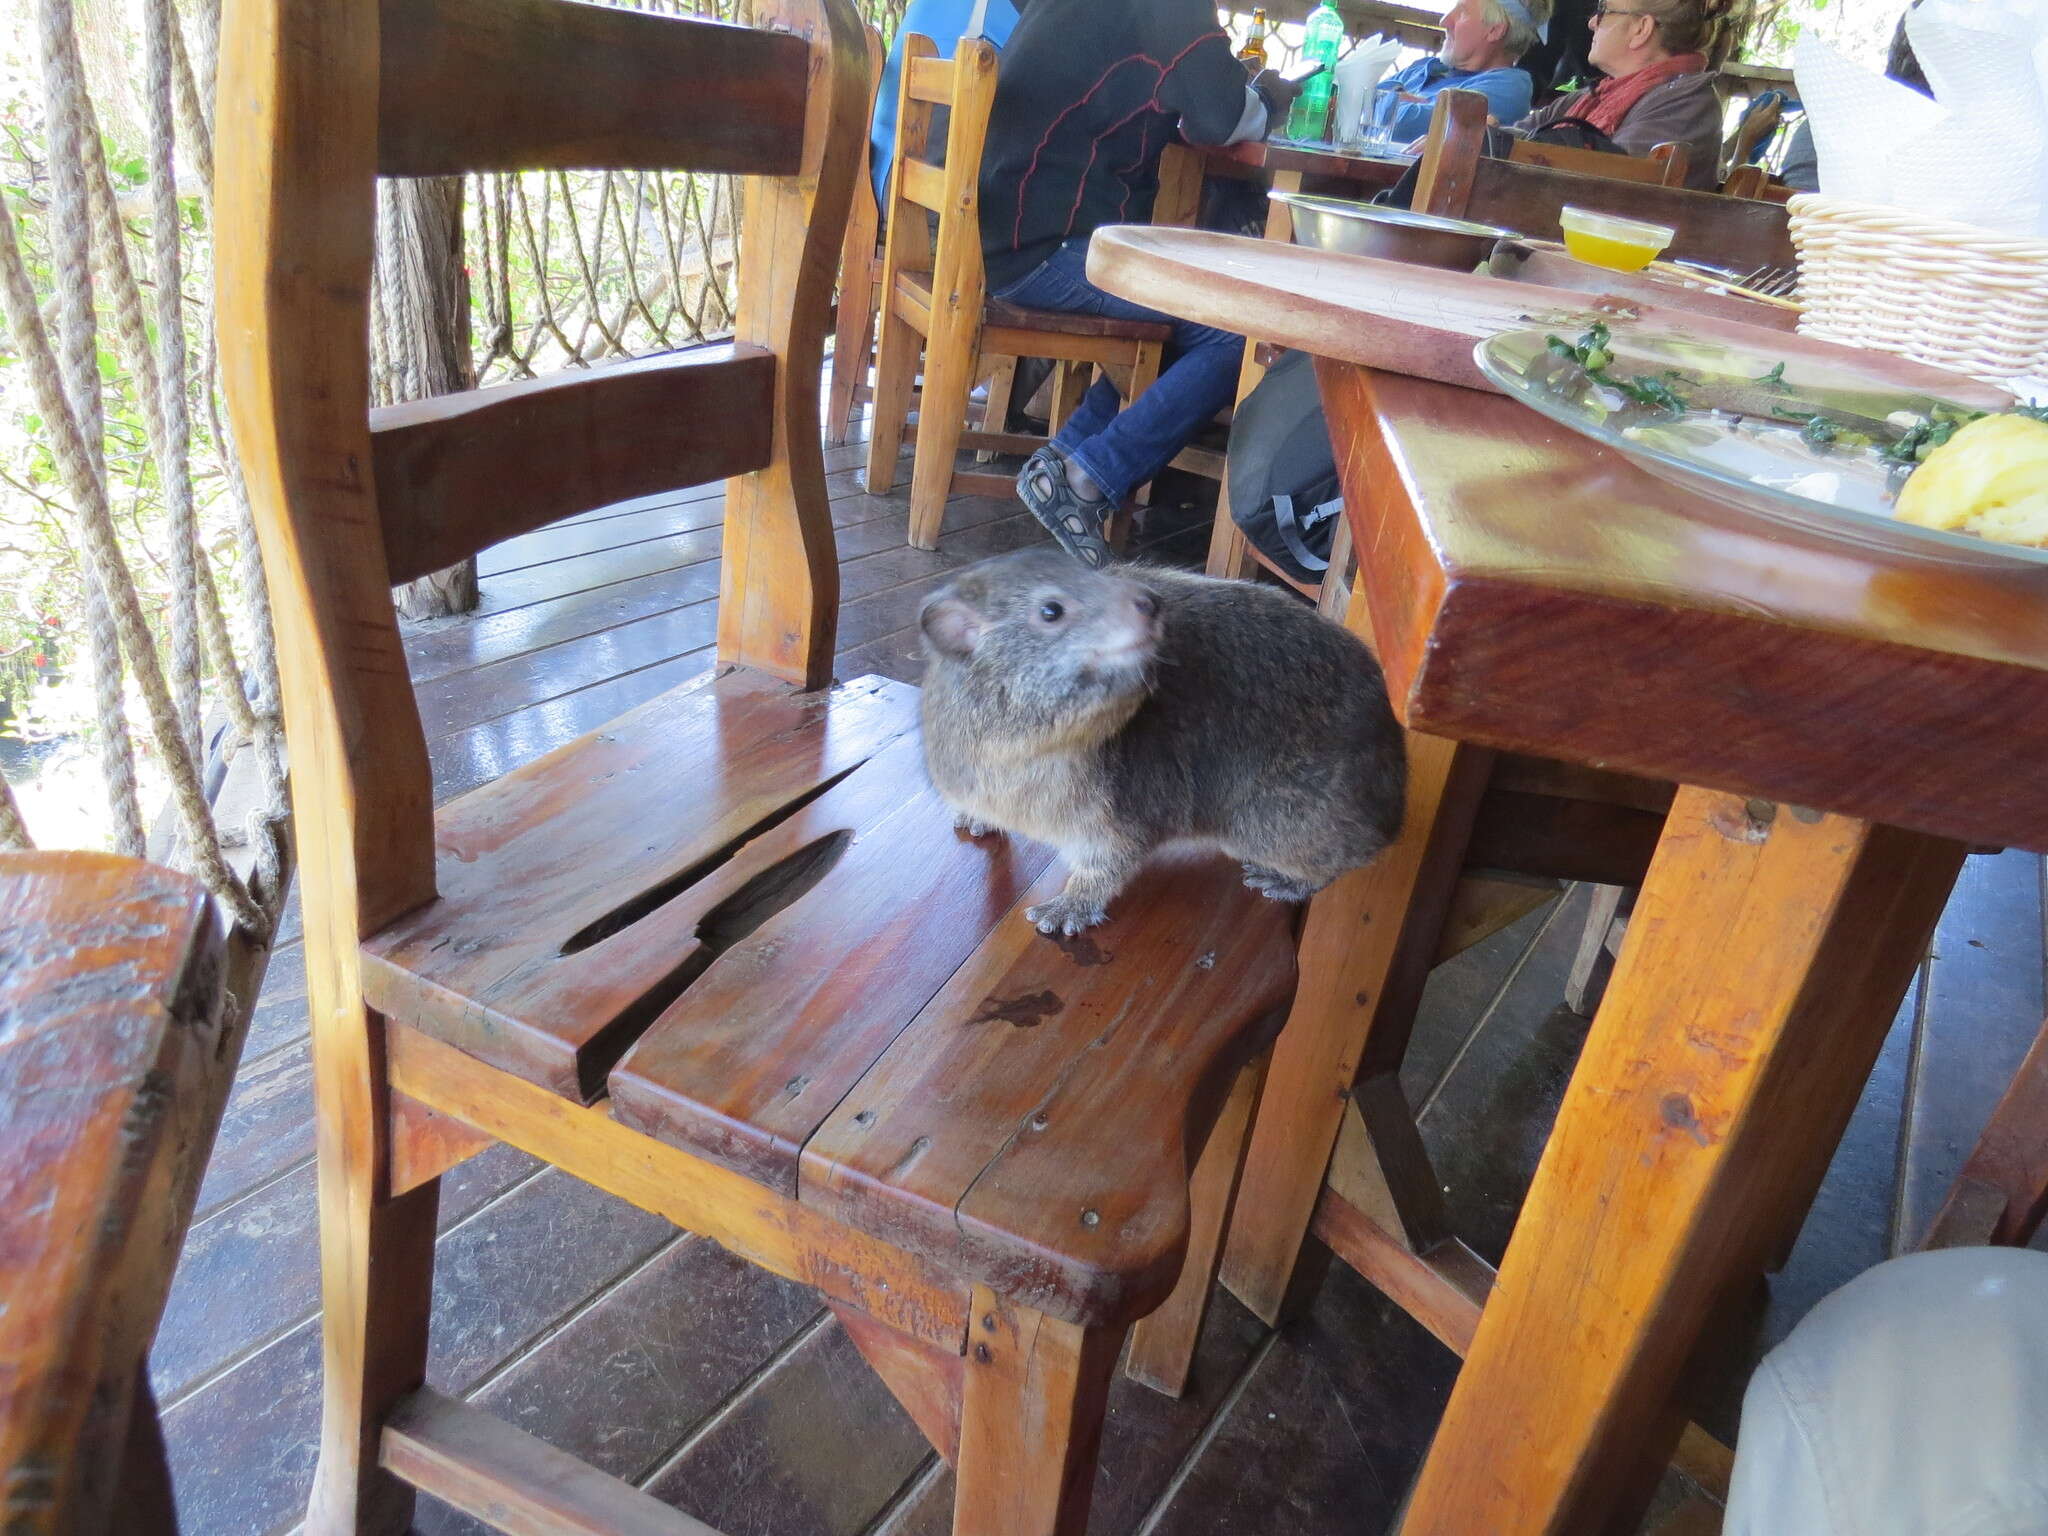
x=951 y=625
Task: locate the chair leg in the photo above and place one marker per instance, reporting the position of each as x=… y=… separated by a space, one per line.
x=1163 y=1345
x=1144 y=373
x=1002 y=384
x=1594 y=962
x=949 y=355
x=1070 y=383
x=851 y=340
x=895 y=372
x=1031 y=1420
x=376 y=1285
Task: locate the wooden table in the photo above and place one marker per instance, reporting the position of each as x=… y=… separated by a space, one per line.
x=111 y=1083
x=1843 y=723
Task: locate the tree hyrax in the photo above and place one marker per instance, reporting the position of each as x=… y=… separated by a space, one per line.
x=1112 y=712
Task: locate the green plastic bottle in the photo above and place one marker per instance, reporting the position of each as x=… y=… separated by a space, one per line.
x=1321 y=39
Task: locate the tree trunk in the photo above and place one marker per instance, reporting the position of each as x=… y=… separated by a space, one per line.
x=420 y=341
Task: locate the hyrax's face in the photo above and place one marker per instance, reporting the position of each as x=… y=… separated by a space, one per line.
x=1043 y=613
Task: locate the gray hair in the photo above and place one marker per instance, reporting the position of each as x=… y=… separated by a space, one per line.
x=1523 y=19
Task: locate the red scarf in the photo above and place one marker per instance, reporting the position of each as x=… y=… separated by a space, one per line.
x=1608 y=103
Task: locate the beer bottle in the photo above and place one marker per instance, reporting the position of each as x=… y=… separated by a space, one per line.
x=1254 y=50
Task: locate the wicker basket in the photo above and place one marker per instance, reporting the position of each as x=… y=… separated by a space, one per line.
x=1944 y=293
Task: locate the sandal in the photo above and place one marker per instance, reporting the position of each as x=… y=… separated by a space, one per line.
x=1076 y=523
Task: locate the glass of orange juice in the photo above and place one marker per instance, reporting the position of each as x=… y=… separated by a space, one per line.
x=1607 y=240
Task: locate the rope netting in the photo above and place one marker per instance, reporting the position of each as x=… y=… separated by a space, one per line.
x=127 y=556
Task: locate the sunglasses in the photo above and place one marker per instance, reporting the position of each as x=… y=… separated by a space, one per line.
x=1612 y=10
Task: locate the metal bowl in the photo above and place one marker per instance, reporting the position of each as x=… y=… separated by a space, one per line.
x=1394 y=234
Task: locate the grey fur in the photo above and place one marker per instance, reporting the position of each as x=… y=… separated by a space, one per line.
x=1160 y=707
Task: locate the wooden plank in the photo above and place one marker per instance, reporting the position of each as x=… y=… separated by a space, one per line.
x=521 y=1485
x=1482 y=905
x=1034 y=1398
x=747 y=1063
x=458 y=472
x=511 y=85
x=924 y=1378
x=1163 y=1343
x=779 y=583
x=1443 y=1288
x=929 y=79
x=1762 y=966
x=545 y=962
x=110 y=1017
x=1032 y=1125
x=787 y=1239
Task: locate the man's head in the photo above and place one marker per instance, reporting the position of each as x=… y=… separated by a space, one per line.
x=1491 y=34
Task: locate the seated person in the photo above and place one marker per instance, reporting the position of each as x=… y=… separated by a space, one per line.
x=1911 y=1402
x=1482 y=41
x=945 y=22
x=1801 y=170
x=1659 y=87
x=1088 y=95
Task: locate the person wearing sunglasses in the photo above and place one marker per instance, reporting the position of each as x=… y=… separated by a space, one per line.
x=1658 y=57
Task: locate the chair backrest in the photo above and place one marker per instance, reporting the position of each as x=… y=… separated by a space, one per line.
x=318 y=99
x=966 y=86
x=1455 y=179
x=1665 y=165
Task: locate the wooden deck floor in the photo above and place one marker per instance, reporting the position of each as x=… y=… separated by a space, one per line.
x=659 y=1358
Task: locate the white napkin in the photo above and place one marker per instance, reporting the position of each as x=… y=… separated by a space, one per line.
x=1977 y=153
x=1357 y=73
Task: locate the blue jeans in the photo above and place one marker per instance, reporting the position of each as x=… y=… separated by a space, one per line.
x=1121 y=449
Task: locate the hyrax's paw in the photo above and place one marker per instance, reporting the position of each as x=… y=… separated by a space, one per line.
x=1276 y=886
x=972 y=826
x=1065 y=914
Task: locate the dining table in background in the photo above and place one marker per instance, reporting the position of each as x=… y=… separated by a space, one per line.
x=1843 y=720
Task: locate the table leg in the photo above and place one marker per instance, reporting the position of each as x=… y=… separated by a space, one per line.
x=1229 y=553
x=1032 y=1406
x=1366 y=948
x=1767 y=954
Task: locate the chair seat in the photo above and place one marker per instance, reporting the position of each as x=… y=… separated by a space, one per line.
x=998 y=312
x=1016 y=317
x=753 y=902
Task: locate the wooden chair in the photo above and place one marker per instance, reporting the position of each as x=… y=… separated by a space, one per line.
x=1664 y=166
x=1455 y=179
x=935 y=302
x=860 y=269
x=718 y=955
x=114 y=1066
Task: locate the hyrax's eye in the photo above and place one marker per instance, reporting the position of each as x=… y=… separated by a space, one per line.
x=1051 y=612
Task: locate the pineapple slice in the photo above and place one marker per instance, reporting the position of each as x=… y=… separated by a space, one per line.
x=1990 y=479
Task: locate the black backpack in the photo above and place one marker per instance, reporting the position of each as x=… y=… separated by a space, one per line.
x=1282 y=471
